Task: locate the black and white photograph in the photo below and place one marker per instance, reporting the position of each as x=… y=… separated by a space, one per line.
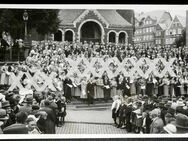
x=94 y=70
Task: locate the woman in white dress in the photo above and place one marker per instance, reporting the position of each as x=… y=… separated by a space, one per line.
x=166 y=86
x=113 y=87
x=99 y=88
x=83 y=88
x=3 y=74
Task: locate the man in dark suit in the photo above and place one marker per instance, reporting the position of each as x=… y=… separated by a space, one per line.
x=106 y=87
x=67 y=89
x=19 y=127
x=90 y=91
x=51 y=118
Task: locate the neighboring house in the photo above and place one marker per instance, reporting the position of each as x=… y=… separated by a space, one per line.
x=146 y=25
x=174 y=30
x=94 y=25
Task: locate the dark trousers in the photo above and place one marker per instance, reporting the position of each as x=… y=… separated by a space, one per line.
x=90 y=99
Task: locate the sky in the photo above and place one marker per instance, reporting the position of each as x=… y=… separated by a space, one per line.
x=173 y=9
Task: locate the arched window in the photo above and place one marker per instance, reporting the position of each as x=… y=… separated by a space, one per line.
x=112 y=37
x=58 y=36
x=122 y=38
x=69 y=36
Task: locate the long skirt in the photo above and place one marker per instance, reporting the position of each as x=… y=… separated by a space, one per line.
x=166 y=90
x=77 y=91
x=3 y=79
x=133 y=89
x=172 y=93
x=73 y=91
x=182 y=91
x=100 y=92
x=149 y=89
x=113 y=92
x=155 y=89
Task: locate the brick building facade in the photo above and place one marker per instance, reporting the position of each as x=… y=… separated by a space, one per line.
x=78 y=25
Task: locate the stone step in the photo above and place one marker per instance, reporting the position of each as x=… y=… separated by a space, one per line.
x=94 y=105
x=89 y=108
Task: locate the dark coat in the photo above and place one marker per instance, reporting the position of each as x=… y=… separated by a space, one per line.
x=16 y=129
x=67 y=89
x=106 y=82
x=120 y=86
x=50 y=121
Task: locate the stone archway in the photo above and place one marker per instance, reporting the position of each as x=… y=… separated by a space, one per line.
x=91 y=30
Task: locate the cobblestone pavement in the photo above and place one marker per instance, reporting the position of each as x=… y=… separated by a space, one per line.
x=91 y=116
x=88 y=128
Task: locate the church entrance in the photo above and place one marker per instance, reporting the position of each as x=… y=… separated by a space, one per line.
x=90 y=31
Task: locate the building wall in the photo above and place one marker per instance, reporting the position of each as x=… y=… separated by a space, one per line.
x=149 y=38
x=173 y=32
x=92 y=16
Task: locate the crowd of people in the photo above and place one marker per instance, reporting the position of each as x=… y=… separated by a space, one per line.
x=137 y=100
x=151 y=115
x=28 y=112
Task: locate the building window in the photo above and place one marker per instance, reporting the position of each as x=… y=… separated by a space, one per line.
x=179 y=31
x=174 y=31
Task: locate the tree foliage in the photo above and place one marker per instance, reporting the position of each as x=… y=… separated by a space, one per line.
x=44 y=20
x=181 y=40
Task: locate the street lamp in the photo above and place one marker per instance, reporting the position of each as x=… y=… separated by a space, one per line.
x=25 y=18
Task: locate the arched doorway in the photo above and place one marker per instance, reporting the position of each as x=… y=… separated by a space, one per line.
x=112 y=37
x=69 y=36
x=122 y=38
x=90 y=31
x=58 y=36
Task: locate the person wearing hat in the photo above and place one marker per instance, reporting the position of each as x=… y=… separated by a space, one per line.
x=49 y=123
x=157 y=123
x=32 y=126
x=181 y=123
x=182 y=107
x=169 y=129
x=10 y=112
x=27 y=107
x=19 y=127
x=3 y=119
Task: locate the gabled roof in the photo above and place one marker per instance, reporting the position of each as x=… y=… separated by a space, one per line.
x=155 y=15
x=163 y=26
x=113 y=18
x=182 y=20
x=68 y=16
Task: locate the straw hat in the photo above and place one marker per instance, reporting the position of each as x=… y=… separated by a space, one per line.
x=181 y=121
x=170 y=128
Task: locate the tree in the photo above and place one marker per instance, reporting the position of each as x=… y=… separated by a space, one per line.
x=181 y=41
x=44 y=20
